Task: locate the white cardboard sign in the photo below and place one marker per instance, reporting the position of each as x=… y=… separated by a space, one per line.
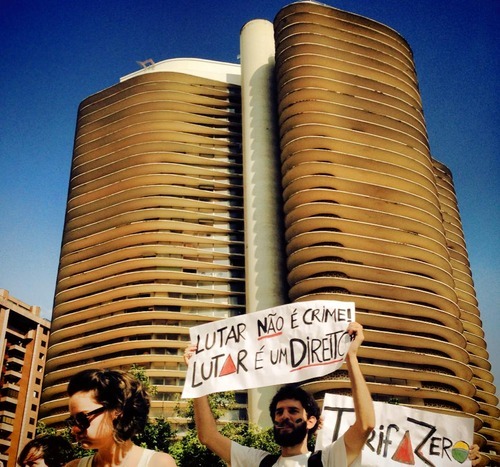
x=279 y=345
x=403 y=435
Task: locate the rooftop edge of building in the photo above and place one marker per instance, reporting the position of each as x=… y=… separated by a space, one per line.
x=211 y=69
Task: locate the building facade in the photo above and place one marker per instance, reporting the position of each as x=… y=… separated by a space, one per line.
x=201 y=190
x=153 y=239
x=371 y=217
x=24 y=338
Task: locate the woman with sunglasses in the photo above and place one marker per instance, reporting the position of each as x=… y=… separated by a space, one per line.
x=108 y=407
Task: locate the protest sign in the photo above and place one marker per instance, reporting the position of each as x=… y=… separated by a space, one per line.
x=278 y=345
x=403 y=435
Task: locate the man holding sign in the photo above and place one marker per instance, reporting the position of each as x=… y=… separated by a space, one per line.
x=296 y=416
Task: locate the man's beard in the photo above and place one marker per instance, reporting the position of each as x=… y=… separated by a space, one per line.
x=293 y=437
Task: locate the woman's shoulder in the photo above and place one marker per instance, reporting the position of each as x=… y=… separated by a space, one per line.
x=161 y=459
x=83 y=462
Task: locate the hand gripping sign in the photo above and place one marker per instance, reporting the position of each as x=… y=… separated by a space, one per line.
x=279 y=345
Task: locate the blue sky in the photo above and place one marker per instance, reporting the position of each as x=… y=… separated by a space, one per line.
x=55 y=53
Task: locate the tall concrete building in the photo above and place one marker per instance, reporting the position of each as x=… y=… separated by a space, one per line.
x=201 y=190
x=24 y=338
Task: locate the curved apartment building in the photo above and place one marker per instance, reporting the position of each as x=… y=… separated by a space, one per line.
x=201 y=190
x=370 y=217
x=153 y=237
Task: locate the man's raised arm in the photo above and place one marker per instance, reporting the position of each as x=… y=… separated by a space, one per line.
x=206 y=426
x=356 y=436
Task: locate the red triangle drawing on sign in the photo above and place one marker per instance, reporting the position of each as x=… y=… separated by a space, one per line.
x=404 y=452
x=228 y=367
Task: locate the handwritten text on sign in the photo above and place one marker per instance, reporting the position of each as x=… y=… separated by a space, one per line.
x=403 y=435
x=278 y=345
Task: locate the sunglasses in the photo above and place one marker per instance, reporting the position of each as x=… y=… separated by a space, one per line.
x=82 y=419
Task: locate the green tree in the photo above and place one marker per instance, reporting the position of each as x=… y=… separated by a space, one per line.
x=43 y=429
x=157 y=435
x=139 y=372
x=189 y=452
x=78 y=451
x=249 y=434
x=220 y=403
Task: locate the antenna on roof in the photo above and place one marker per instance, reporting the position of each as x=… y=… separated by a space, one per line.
x=146 y=63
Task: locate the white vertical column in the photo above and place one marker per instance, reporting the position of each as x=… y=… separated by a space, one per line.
x=264 y=264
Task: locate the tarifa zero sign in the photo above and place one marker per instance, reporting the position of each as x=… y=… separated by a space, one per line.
x=278 y=345
x=403 y=435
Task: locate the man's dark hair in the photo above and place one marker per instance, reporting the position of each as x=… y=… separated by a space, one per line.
x=296 y=393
